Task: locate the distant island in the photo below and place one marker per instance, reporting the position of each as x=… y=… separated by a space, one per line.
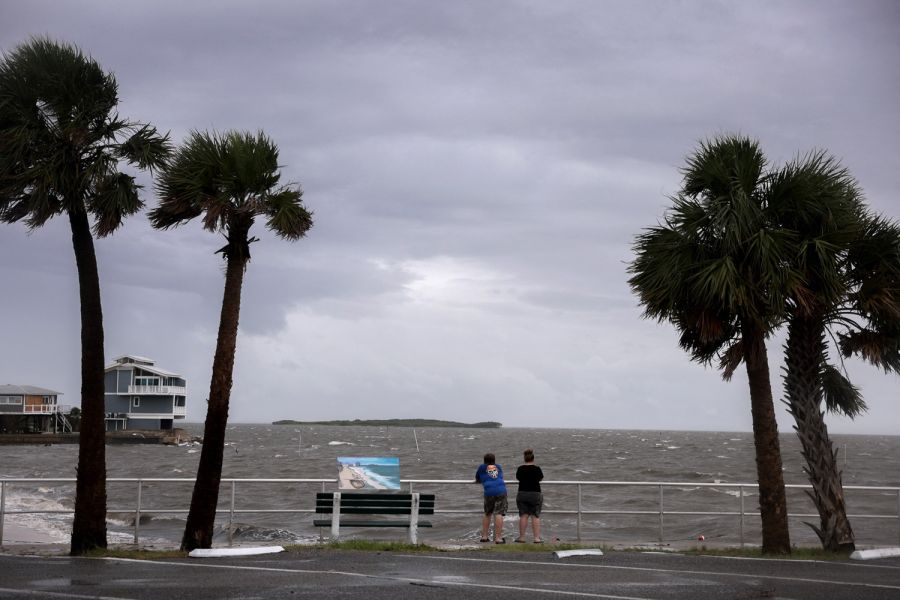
x=396 y=423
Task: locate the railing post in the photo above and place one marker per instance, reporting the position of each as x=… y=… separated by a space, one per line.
x=414 y=519
x=578 y=518
x=336 y=516
x=2 y=508
x=231 y=515
x=660 y=513
x=137 y=514
x=898 y=517
x=741 y=528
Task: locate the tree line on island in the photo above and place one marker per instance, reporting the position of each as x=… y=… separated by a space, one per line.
x=745 y=249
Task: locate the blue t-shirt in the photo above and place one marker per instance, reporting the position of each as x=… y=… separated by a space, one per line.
x=491 y=477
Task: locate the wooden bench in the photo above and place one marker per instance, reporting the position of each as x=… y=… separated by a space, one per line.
x=357 y=503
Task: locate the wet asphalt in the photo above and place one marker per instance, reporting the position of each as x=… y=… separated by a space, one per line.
x=323 y=573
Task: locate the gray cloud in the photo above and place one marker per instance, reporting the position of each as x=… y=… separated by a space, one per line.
x=478 y=173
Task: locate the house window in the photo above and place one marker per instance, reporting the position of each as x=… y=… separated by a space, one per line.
x=136 y=401
x=10 y=399
x=179 y=401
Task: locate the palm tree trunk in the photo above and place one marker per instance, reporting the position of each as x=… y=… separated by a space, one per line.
x=198 y=531
x=89 y=525
x=772 y=500
x=804 y=357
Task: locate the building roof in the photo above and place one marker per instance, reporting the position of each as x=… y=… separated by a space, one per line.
x=26 y=390
x=133 y=358
x=129 y=361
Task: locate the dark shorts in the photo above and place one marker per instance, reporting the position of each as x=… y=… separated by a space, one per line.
x=529 y=503
x=495 y=504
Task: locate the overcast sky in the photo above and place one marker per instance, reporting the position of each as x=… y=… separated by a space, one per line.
x=478 y=172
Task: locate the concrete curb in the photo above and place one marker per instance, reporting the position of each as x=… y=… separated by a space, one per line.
x=875 y=553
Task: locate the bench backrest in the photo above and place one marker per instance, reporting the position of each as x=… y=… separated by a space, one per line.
x=356 y=503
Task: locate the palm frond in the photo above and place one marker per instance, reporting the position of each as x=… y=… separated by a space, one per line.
x=727 y=168
x=873 y=268
x=146 y=148
x=40 y=204
x=841 y=396
x=730 y=359
x=115 y=198
x=288 y=218
x=880 y=348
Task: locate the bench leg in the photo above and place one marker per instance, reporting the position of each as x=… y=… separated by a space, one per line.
x=336 y=516
x=414 y=520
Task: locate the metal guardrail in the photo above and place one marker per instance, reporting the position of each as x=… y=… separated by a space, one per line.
x=579 y=511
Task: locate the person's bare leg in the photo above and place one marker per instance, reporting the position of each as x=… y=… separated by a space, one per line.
x=485 y=525
x=536 y=527
x=523 y=525
x=498 y=528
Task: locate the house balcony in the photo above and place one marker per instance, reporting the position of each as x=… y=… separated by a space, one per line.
x=177 y=413
x=157 y=390
x=40 y=409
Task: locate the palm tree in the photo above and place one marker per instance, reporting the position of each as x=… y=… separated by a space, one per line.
x=230 y=179
x=716 y=269
x=850 y=272
x=61 y=145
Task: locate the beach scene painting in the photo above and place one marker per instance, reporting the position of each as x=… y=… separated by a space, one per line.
x=368 y=472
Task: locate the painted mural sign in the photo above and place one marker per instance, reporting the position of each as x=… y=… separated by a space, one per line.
x=368 y=472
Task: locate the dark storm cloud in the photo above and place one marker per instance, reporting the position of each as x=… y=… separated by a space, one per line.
x=478 y=172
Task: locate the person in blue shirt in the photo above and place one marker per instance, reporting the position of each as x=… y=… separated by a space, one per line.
x=490 y=476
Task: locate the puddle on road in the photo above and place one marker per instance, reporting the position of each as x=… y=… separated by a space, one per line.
x=62 y=582
x=452 y=578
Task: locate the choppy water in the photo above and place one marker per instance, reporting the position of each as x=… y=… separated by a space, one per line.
x=269 y=451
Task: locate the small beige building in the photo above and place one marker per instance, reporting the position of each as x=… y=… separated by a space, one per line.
x=31 y=409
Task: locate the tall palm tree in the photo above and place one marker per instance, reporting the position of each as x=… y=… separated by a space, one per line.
x=61 y=146
x=716 y=269
x=850 y=272
x=230 y=179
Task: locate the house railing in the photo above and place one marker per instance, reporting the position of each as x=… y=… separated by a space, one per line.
x=157 y=389
x=40 y=409
x=229 y=488
x=137 y=414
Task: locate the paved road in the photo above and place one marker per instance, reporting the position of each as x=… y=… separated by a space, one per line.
x=442 y=575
